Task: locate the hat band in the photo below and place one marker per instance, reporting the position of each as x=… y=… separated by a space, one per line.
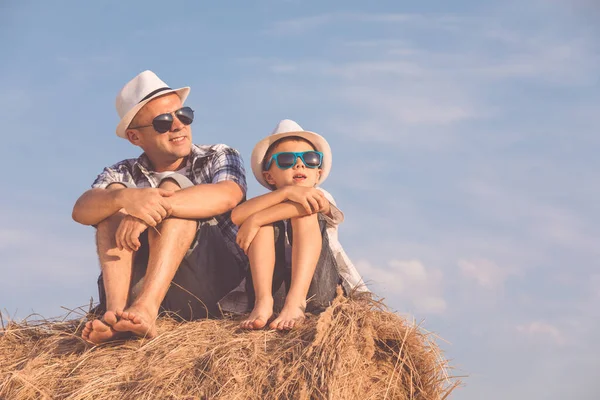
x=162 y=89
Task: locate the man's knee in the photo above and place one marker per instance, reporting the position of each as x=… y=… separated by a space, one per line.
x=169 y=184
x=175 y=182
x=110 y=224
x=173 y=225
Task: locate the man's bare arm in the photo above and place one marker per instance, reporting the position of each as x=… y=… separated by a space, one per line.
x=95 y=205
x=205 y=200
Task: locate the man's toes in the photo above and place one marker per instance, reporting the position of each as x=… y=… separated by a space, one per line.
x=99 y=326
x=110 y=318
x=136 y=319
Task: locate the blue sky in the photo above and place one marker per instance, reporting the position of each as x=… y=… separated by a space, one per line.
x=465 y=141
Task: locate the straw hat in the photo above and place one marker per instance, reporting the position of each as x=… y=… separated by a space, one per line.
x=286 y=128
x=139 y=91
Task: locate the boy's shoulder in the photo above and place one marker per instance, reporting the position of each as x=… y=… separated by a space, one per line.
x=328 y=195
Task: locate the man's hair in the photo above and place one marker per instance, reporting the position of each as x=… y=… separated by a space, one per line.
x=271 y=148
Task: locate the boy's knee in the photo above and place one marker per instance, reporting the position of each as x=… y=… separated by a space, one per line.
x=307 y=220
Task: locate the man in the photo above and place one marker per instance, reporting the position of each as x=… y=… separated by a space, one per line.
x=163 y=230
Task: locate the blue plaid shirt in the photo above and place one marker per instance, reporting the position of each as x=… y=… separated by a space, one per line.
x=206 y=164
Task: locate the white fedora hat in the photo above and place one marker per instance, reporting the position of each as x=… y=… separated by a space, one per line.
x=139 y=91
x=286 y=128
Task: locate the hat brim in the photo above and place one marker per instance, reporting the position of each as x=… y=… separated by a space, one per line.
x=258 y=154
x=126 y=120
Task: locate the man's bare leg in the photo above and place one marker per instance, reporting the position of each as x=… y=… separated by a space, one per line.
x=166 y=251
x=306 y=250
x=261 y=255
x=116 y=266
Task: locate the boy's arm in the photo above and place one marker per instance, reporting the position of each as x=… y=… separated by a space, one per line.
x=256 y=204
x=250 y=227
x=309 y=200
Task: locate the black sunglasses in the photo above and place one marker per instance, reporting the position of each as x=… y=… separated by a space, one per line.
x=164 y=122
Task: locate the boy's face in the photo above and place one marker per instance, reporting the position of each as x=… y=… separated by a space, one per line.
x=299 y=174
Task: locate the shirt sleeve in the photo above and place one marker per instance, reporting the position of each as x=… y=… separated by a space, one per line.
x=337 y=216
x=117 y=173
x=227 y=165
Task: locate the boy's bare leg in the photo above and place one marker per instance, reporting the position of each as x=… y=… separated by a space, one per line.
x=116 y=268
x=261 y=255
x=166 y=251
x=306 y=250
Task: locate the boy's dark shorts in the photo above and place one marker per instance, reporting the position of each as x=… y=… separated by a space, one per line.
x=325 y=280
x=208 y=271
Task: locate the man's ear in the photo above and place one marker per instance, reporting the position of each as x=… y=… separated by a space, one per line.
x=268 y=177
x=133 y=136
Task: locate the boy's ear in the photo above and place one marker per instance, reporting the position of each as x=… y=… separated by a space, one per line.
x=268 y=177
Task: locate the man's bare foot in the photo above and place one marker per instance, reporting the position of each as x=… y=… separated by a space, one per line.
x=100 y=330
x=136 y=320
x=262 y=311
x=290 y=316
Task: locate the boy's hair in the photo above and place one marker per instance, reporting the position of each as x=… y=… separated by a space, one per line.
x=271 y=148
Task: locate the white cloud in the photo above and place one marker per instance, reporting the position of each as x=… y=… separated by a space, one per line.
x=409 y=280
x=540 y=329
x=305 y=24
x=485 y=272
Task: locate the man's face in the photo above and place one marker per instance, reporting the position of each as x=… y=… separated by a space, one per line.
x=161 y=148
x=299 y=174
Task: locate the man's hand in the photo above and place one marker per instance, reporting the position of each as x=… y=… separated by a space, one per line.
x=247 y=233
x=313 y=200
x=150 y=205
x=128 y=233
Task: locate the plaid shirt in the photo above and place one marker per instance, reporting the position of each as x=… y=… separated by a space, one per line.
x=206 y=164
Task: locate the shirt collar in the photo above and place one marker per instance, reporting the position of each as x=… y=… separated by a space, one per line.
x=197 y=152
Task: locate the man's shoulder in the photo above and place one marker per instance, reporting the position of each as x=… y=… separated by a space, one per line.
x=210 y=149
x=123 y=164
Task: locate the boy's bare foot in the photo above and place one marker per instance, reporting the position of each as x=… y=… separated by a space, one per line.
x=262 y=311
x=100 y=330
x=290 y=316
x=137 y=320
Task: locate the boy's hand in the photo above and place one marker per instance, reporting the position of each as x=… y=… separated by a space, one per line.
x=311 y=199
x=247 y=233
x=128 y=233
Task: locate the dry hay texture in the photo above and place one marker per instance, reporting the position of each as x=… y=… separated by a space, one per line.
x=356 y=349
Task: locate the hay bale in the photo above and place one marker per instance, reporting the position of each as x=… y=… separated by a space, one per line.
x=355 y=349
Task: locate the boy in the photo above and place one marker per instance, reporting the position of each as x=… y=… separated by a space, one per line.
x=293 y=225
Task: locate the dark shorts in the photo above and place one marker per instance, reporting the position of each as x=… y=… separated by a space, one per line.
x=208 y=271
x=325 y=279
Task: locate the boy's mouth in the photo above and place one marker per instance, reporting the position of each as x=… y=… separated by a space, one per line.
x=299 y=177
